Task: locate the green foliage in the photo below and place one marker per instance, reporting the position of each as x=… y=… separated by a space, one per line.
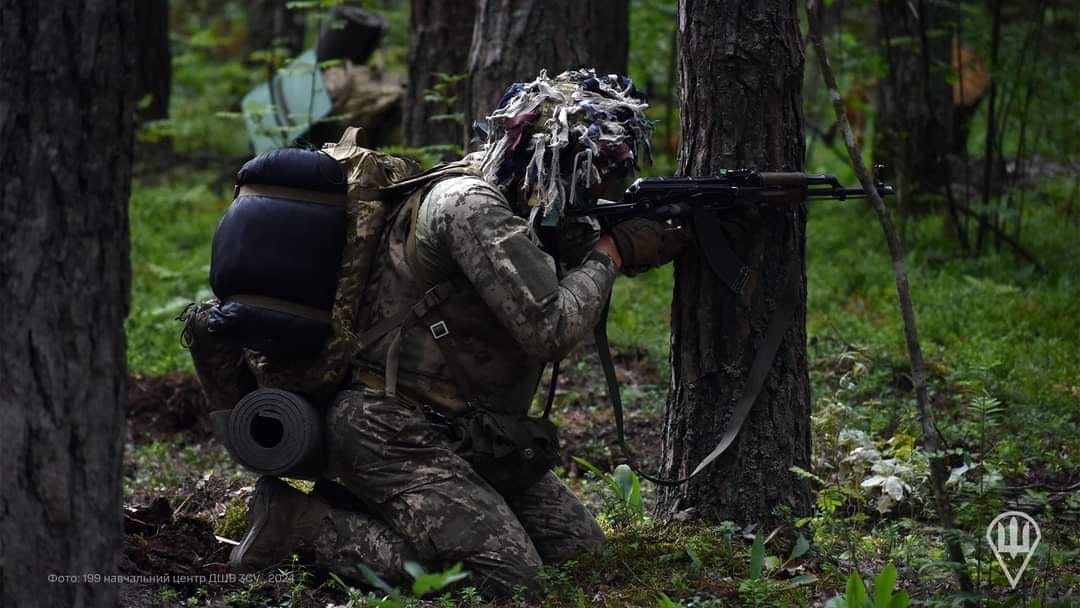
x=445 y=94
x=973 y=315
x=759 y=588
x=856 y=596
x=424 y=583
x=625 y=506
x=426 y=156
x=640 y=315
x=171 y=226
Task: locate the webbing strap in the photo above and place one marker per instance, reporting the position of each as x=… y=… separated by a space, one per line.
x=431 y=299
x=759 y=370
x=336 y=199
x=279 y=305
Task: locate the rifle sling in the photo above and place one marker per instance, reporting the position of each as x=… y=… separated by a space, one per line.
x=759 y=370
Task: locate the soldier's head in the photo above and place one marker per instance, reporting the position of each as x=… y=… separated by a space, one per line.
x=562 y=138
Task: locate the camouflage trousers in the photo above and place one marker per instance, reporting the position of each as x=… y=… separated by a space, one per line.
x=423 y=502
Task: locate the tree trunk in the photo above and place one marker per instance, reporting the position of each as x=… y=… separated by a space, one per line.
x=741 y=73
x=153 y=68
x=439 y=37
x=914 y=105
x=609 y=40
x=273 y=26
x=514 y=39
x=66 y=109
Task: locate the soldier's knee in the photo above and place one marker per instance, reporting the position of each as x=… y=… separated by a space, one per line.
x=504 y=576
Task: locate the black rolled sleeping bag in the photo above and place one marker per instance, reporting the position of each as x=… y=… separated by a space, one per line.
x=276 y=252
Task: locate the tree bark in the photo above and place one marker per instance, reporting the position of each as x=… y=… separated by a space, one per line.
x=66 y=111
x=609 y=40
x=741 y=72
x=153 y=75
x=440 y=34
x=514 y=39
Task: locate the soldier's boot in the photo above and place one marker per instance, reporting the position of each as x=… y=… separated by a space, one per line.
x=282 y=521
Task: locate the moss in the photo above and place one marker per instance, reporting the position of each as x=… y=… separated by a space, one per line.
x=639 y=563
x=233 y=525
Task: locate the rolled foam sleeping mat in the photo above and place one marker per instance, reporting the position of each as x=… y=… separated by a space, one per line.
x=267 y=331
x=274 y=432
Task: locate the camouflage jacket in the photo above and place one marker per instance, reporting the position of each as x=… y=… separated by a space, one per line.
x=509 y=314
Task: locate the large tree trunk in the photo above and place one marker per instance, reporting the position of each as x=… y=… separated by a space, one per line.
x=440 y=34
x=914 y=101
x=66 y=108
x=514 y=39
x=609 y=40
x=741 y=71
x=153 y=74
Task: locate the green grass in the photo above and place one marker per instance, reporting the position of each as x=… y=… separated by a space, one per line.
x=988 y=324
x=172 y=224
x=640 y=315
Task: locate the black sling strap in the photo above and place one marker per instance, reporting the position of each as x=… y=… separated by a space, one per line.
x=759 y=370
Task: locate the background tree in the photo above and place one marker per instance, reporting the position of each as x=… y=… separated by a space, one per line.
x=153 y=75
x=440 y=34
x=272 y=25
x=66 y=107
x=914 y=100
x=609 y=40
x=514 y=39
x=740 y=79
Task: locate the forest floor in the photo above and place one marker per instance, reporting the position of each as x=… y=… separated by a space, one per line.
x=184 y=494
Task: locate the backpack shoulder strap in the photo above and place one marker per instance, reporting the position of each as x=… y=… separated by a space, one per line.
x=415 y=188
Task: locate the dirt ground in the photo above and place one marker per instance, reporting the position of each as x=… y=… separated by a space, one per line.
x=171 y=554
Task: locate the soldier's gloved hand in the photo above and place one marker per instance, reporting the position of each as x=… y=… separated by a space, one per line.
x=646 y=244
x=577 y=237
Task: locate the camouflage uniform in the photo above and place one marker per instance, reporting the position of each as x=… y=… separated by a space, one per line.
x=509 y=315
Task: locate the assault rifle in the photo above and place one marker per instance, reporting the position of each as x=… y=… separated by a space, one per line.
x=705 y=199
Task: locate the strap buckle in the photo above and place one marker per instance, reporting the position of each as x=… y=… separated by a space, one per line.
x=431 y=299
x=439 y=330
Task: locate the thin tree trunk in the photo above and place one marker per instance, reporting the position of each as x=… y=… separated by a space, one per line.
x=740 y=81
x=440 y=33
x=66 y=108
x=938 y=472
x=514 y=39
x=988 y=160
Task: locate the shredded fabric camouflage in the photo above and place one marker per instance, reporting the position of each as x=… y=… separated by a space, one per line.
x=599 y=119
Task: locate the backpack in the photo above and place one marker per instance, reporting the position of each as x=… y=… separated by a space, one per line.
x=293 y=254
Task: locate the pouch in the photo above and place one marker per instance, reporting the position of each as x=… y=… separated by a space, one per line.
x=511 y=452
